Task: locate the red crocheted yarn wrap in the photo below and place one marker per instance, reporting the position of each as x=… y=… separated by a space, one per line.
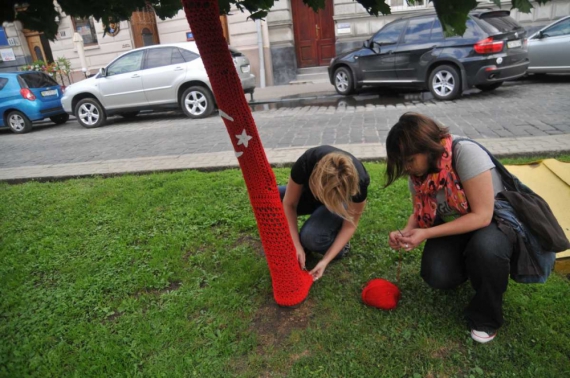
x=290 y=284
x=381 y=294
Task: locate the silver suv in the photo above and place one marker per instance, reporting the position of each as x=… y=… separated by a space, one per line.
x=150 y=78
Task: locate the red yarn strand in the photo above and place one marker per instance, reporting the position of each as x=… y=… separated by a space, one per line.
x=399 y=265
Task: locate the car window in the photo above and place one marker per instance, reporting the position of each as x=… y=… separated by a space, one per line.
x=235 y=52
x=161 y=57
x=473 y=31
x=189 y=55
x=127 y=63
x=436 y=31
x=561 y=28
x=3 y=82
x=158 y=57
x=36 y=80
x=418 y=30
x=177 y=57
x=390 y=33
x=499 y=23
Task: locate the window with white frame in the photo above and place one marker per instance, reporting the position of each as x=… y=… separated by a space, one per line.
x=398 y=5
x=86 y=28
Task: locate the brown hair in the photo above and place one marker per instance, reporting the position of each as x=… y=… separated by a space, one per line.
x=414 y=133
x=334 y=181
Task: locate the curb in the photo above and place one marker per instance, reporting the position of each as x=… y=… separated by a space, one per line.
x=277 y=157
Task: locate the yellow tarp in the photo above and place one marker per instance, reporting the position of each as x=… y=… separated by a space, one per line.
x=551 y=180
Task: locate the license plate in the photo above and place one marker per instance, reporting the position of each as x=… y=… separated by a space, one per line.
x=513 y=44
x=53 y=92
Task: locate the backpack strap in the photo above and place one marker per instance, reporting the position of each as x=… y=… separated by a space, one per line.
x=510 y=181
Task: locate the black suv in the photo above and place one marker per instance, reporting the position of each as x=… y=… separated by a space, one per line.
x=413 y=51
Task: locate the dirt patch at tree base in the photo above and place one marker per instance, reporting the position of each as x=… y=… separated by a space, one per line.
x=274 y=324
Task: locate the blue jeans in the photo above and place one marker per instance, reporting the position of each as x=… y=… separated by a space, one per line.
x=482 y=256
x=320 y=230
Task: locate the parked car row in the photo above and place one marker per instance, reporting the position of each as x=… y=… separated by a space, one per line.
x=149 y=78
x=413 y=52
x=409 y=52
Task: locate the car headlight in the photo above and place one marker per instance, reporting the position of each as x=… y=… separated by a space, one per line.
x=245 y=69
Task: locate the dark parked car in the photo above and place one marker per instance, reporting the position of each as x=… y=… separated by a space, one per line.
x=29 y=96
x=413 y=51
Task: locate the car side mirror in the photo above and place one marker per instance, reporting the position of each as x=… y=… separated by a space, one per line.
x=540 y=35
x=103 y=71
x=374 y=46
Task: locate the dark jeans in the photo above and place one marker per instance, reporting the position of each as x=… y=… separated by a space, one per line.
x=320 y=230
x=483 y=257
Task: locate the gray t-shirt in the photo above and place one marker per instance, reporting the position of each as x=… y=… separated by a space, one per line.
x=470 y=161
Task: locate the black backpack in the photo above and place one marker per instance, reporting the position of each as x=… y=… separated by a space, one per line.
x=541 y=222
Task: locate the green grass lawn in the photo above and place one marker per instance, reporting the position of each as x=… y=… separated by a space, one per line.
x=163 y=275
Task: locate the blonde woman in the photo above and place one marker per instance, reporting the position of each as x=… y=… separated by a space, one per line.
x=331 y=185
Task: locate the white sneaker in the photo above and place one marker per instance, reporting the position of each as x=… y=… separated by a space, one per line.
x=482 y=337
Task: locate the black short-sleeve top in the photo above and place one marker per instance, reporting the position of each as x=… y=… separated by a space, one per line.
x=303 y=167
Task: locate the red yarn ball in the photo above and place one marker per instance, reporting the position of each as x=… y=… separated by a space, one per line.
x=381 y=294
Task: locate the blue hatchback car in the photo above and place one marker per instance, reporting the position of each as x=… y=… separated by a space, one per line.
x=29 y=96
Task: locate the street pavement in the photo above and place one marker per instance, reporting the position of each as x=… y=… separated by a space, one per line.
x=523 y=117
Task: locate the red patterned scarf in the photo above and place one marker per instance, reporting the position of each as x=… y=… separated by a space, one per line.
x=425 y=201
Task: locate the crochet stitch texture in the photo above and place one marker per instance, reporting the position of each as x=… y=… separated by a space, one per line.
x=290 y=284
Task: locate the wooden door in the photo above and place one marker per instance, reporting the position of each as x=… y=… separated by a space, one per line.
x=143 y=25
x=314 y=34
x=36 y=48
x=34 y=40
x=325 y=38
x=305 y=34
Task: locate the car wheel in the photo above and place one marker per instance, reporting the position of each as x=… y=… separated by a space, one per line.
x=60 y=118
x=129 y=115
x=90 y=113
x=197 y=102
x=489 y=87
x=343 y=82
x=18 y=122
x=444 y=83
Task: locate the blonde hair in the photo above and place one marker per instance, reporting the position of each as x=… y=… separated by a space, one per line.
x=334 y=181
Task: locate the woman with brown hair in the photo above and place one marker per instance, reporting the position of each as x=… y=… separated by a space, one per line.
x=453 y=192
x=331 y=185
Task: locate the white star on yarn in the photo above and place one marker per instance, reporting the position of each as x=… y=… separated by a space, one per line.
x=243 y=138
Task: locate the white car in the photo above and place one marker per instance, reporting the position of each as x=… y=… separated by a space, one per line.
x=150 y=78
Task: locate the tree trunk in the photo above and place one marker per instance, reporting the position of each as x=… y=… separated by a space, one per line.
x=290 y=284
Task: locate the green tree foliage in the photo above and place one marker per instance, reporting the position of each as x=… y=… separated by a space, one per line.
x=40 y=15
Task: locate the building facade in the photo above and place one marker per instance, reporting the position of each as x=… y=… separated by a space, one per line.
x=292 y=38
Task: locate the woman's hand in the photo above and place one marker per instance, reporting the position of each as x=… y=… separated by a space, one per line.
x=301 y=257
x=394 y=239
x=413 y=238
x=318 y=270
